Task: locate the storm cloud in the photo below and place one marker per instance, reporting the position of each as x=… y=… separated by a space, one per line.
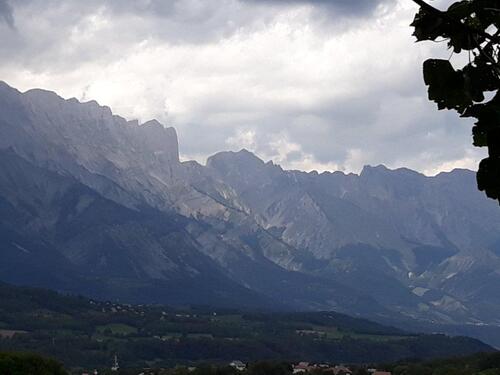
x=352 y=8
x=310 y=84
x=6 y=13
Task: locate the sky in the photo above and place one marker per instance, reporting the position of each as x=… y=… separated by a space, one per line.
x=310 y=84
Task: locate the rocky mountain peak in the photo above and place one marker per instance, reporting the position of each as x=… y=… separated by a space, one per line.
x=4 y=87
x=160 y=140
x=374 y=170
x=230 y=161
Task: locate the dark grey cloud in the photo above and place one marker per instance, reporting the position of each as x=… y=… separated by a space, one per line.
x=352 y=8
x=205 y=9
x=55 y=34
x=68 y=32
x=6 y=13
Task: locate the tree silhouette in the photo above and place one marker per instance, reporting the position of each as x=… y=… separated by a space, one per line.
x=471 y=27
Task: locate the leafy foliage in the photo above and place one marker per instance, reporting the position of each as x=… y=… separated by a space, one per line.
x=25 y=364
x=472 y=27
x=479 y=364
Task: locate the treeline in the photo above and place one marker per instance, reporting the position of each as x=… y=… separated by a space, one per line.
x=342 y=322
x=28 y=364
x=479 y=364
x=256 y=368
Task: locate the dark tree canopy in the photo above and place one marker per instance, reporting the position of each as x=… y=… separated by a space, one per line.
x=471 y=27
x=26 y=364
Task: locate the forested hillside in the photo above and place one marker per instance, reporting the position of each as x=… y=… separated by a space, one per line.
x=83 y=332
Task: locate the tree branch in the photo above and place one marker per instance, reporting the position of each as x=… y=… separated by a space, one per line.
x=429 y=8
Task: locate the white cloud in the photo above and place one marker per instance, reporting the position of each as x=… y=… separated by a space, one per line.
x=274 y=79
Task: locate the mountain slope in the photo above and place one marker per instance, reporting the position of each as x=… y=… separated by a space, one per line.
x=138 y=167
x=425 y=246
x=58 y=233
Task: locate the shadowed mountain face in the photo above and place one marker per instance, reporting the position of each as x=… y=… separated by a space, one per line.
x=95 y=204
x=58 y=233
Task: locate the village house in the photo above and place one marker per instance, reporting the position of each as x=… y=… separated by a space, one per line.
x=238 y=365
x=303 y=367
x=340 y=370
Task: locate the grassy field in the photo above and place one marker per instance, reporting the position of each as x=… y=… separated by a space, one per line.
x=117 y=329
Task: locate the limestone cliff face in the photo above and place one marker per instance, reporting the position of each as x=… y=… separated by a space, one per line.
x=85 y=139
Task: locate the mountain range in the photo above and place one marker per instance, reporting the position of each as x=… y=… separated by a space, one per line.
x=94 y=204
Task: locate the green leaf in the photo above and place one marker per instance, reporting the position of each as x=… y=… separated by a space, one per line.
x=488 y=177
x=428 y=26
x=479 y=136
x=446 y=85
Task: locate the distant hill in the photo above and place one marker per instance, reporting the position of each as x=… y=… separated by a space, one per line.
x=83 y=332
